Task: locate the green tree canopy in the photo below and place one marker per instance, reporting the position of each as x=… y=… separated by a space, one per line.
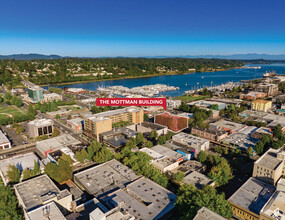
x=190 y=200
x=179 y=176
x=13 y=174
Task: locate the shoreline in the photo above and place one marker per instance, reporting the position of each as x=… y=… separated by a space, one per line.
x=135 y=77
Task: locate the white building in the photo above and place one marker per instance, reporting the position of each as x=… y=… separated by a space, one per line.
x=4 y=142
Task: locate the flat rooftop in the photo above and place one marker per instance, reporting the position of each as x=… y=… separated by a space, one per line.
x=35 y=191
x=269 y=160
x=41 y=122
x=240 y=140
x=248 y=130
x=274 y=203
x=197 y=179
x=116 y=141
x=21 y=161
x=116 y=131
x=163 y=162
x=76 y=192
x=153 y=154
x=96 y=118
x=56 y=143
x=207 y=214
x=143 y=199
x=118 y=111
x=228 y=125
x=252 y=195
x=167 y=152
x=263 y=130
x=105 y=177
x=49 y=211
x=191 y=165
x=189 y=139
x=153 y=126
x=76 y=121
x=3 y=138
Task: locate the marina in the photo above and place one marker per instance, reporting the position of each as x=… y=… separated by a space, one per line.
x=185 y=82
x=138 y=92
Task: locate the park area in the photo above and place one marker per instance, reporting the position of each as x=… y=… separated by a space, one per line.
x=10 y=111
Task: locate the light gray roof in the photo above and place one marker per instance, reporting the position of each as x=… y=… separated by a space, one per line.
x=241 y=140
x=49 y=211
x=197 y=179
x=275 y=206
x=3 y=138
x=269 y=160
x=35 y=191
x=228 y=124
x=252 y=195
x=41 y=122
x=167 y=152
x=22 y=161
x=143 y=199
x=207 y=214
x=105 y=177
x=117 y=111
x=56 y=143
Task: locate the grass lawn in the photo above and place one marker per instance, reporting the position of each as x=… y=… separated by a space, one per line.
x=189 y=98
x=8 y=111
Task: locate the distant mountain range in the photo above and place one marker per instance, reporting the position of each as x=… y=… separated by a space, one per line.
x=30 y=56
x=248 y=56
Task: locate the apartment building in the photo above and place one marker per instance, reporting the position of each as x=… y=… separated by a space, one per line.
x=95 y=125
x=40 y=127
x=172 y=122
x=270 y=167
x=261 y=105
x=217 y=135
x=130 y=114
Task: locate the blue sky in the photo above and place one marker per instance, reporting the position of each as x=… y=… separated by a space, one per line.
x=142 y=27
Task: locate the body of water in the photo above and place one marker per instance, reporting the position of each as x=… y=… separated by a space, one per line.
x=187 y=81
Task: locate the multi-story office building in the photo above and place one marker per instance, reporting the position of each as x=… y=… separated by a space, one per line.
x=270 y=167
x=95 y=125
x=130 y=114
x=40 y=127
x=35 y=94
x=261 y=105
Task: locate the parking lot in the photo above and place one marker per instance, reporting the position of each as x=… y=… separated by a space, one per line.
x=14 y=138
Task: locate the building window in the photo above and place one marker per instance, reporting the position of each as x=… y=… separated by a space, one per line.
x=45 y=130
x=40 y=131
x=49 y=129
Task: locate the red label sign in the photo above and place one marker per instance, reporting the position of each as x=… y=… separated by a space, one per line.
x=131 y=102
